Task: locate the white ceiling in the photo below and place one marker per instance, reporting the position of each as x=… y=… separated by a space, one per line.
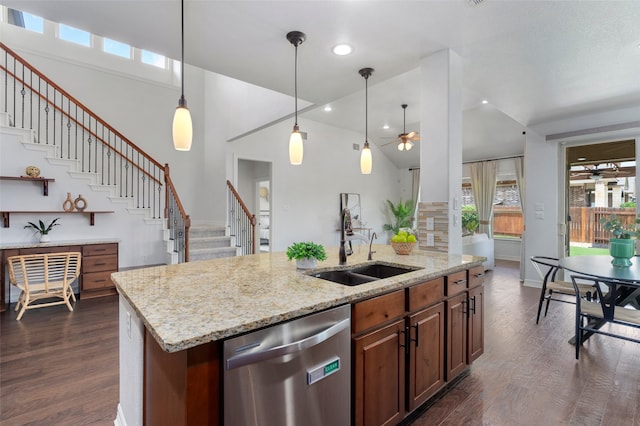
x=534 y=61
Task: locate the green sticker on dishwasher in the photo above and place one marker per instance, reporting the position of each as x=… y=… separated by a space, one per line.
x=331 y=367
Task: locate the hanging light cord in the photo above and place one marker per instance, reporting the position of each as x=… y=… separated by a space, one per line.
x=182 y=99
x=366 y=108
x=295 y=84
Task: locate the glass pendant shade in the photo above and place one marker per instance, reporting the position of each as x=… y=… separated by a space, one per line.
x=295 y=147
x=401 y=146
x=366 y=162
x=182 y=129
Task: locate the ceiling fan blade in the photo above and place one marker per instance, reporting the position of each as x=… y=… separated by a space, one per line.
x=412 y=135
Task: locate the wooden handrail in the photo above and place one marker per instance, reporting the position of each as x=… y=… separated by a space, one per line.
x=80 y=104
x=172 y=188
x=254 y=221
x=89 y=131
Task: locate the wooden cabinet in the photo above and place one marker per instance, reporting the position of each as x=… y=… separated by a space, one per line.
x=426 y=355
x=98 y=262
x=475 y=341
x=465 y=320
x=379 y=363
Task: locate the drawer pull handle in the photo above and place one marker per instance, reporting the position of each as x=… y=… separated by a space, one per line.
x=460 y=282
x=99 y=281
x=100 y=264
x=479 y=275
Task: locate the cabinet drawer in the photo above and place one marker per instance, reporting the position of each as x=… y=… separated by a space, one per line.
x=99 y=249
x=456 y=283
x=100 y=263
x=96 y=280
x=425 y=294
x=476 y=276
x=57 y=249
x=378 y=310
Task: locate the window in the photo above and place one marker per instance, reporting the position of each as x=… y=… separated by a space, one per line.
x=153 y=59
x=116 y=48
x=74 y=35
x=26 y=20
x=508 y=221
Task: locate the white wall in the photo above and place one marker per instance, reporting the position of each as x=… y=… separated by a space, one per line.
x=305 y=199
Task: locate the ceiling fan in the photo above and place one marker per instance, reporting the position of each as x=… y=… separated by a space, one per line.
x=404 y=139
x=609 y=171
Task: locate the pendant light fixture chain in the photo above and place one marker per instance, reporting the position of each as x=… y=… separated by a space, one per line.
x=366 y=73
x=182 y=101
x=296 y=38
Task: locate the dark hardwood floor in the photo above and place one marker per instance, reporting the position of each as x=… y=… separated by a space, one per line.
x=61 y=368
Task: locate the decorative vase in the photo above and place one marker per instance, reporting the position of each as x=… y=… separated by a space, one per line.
x=44 y=238
x=622 y=250
x=80 y=203
x=68 y=204
x=306 y=263
x=32 y=171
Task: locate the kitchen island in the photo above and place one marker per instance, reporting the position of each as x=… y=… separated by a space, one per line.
x=173 y=319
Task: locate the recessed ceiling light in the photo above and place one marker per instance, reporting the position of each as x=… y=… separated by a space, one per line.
x=484 y=101
x=327 y=108
x=581 y=158
x=341 y=49
x=386 y=126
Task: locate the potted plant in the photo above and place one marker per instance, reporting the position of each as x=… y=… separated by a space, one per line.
x=622 y=245
x=306 y=254
x=403 y=213
x=43 y=229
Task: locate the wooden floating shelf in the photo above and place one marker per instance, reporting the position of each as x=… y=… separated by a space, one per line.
x=6 y=214
x=45 y=181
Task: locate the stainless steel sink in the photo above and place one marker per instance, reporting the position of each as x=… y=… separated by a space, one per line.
x=344 y=277
x=362 y=274
x=381 y=270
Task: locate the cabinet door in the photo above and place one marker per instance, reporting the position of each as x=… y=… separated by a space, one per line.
x=456 y=335
x=476 y=323
x=379 y=376
x=426 y=355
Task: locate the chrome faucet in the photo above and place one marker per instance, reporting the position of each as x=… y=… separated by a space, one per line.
x=373 y=236
x=342 y=253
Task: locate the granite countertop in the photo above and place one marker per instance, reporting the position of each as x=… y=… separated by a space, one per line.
x=193 y=303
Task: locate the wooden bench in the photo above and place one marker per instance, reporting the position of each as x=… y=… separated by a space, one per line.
x=44 y=276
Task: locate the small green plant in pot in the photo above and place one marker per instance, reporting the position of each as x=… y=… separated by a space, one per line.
x=622 y=245
x=306 y=254
x=42 y=228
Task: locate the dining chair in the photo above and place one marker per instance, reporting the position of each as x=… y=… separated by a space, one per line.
x=593 y=313
x=43 y=277
x=552 y=287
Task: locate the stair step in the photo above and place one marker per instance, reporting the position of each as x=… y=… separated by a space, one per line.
x=208 y=242
x=204 y=231
x=211 y=253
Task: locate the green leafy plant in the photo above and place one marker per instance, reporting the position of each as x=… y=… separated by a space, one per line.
x=306 y=250
x=470 y=220
x=403 y=214
x=618 y=229
x=41 y=228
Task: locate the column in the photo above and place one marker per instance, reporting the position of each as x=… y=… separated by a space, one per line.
x=440 y=152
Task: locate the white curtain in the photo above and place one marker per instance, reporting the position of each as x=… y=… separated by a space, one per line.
x=415 y=192
x=483 y=183
x=519 y=162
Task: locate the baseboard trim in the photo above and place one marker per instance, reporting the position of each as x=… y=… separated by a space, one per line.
x=120 y=420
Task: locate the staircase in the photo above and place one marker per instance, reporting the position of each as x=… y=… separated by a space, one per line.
x=209 y=242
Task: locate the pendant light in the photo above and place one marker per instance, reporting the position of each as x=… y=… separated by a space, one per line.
x=182 y=126
x=295 y=141
x=366 y=162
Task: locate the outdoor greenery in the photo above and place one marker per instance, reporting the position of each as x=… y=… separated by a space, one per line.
x=306 y=250
x=41 y=228
x=628 y=204
x=585 y=251
x=403 y=214
x=470 y=219
x=619 y=229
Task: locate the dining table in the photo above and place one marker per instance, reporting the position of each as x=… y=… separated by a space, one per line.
x=623 y=281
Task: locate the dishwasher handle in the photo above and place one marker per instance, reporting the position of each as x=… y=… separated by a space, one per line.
x=289 y=348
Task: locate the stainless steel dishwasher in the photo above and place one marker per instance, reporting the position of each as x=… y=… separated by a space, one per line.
x=297 y=373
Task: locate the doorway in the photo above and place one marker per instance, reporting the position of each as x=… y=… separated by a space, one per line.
x=600 y=180
x=255 y=187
